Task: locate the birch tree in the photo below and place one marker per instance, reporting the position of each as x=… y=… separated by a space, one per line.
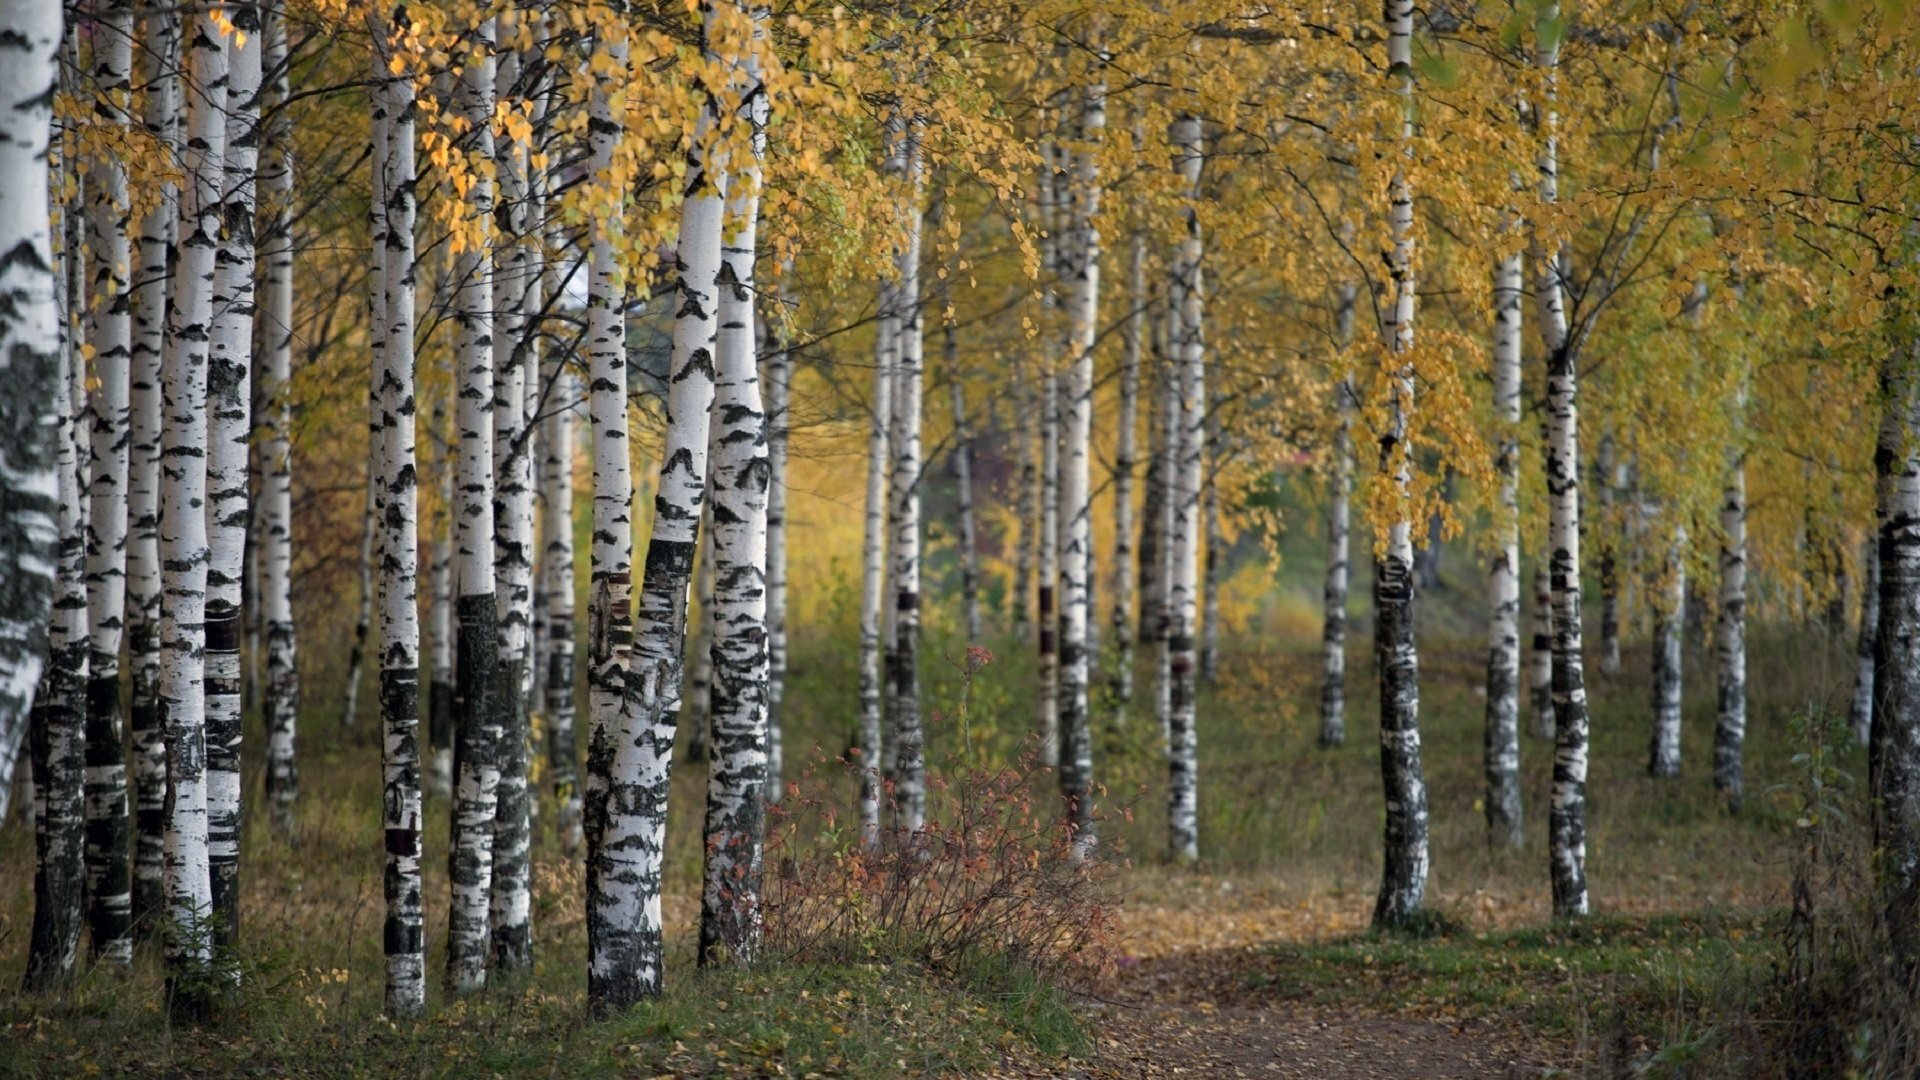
x=275 y=322
x=779 y=399
x=873 y=554
x=1670 y=619
x=1502 y=755
x=1403 y=880
x=1730 y=627
x=1186 y=306
x=1081 y=269
x=184 y=550
x=1127 y=422
x=230 y=394
x=905 y=162
x=966 y=538
x=1333 y=636
x=108 y=829
x=612 y=978
x=1860 y=711
x=1893 y=764
x=29 y=360
x=627 y=958
x=1567 y=825
x=477 y=646
x=57 y=735
x=730 y=916
x=404 y=931
x=516 y=291
x=556 y=574
x=159 y=112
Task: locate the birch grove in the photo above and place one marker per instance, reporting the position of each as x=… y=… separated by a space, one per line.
x=691 y=256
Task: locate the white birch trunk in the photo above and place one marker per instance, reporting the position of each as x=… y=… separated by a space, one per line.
x=109 y=871
x=160 y=115
x=57 y=722
x=403 y=932
x=183 y=524
x=629 y=962
x=1502 y=753
x=730 y=916
x=1403 y=881
x=903 y=679
x=873 y=572
x=230 y=397
x=281 y=700
x=967 y=535
x=556 y=575
x=611 y=900
x=1333 y=636
x=1567 y=826
x=36 y=453
x=516 y=282
x=441 y=695
x=1730 y=632
x=1081 y=269
x=1125 y=463
x=1047 y=699
x=1026 y=505
x=1670 y=619
x=779 y=395
x=1189 y=454
x=29 y=359
x=478 y=737
x=1893 y=758
x=1160 y=520
x=1860 y=712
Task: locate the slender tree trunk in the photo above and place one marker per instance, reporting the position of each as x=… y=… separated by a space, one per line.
x=1026 y=503
x=109 y=870
x=1603 y=475
x=160 y=115
x=184 y=550
x=404 y=932
x=873 y=571
x=1047 y=618
x=1730 y=635
x=1860 y=712
x=275 y=556
x=1567 y=827
x=1893 y=761
x=1153 y=510
x=779 y=397
x=57 y=734
x=556 y=575
x=516 y=289
x=38 y=492
x=478 y=736
x=1403 y=881
x=1160 y=522
x=1187 y=345
x=968 y=539
x=1540 y=654
x=628 y=964
x=29 y=360
x=1215 y=564
x=611 y=873
x=1503 y=573
x=1670 y=618
x=903 y=656
x=730 y=916
x=230 y=399
x=1125 y=463
x=1333 y=636
x=1081 y=267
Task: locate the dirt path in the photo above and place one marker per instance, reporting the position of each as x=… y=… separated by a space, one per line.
x=1190 y=1002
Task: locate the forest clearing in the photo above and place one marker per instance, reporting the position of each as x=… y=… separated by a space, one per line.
x=720 y=538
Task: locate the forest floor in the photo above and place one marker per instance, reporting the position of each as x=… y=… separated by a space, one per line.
x=1257 y=963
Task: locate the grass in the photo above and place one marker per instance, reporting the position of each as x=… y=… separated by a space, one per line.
x=1687 y=895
